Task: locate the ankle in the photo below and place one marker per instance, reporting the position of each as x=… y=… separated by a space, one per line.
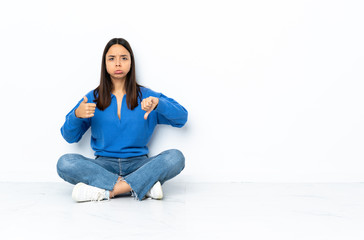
x=112 y=193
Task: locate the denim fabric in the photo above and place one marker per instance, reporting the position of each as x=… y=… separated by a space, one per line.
x=141 y=172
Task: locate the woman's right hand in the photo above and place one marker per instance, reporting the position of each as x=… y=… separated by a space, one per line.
x=85 y=110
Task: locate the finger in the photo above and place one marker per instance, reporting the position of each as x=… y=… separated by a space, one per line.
x=146 y=115
x=145 y=107
x=85 y=99
x=90 y=112
x=91 y=107
x=151 y=100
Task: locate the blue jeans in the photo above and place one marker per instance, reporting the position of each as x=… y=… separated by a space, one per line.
x=141 y=172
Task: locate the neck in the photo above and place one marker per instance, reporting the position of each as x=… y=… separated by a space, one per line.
x=118 y=86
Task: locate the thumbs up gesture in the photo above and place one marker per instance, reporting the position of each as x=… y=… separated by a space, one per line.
x=85 y=110
x=148 y=105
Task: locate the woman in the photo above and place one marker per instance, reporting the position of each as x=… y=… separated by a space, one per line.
x=122 y=115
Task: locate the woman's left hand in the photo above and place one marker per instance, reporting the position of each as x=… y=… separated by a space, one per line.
x=148 y=105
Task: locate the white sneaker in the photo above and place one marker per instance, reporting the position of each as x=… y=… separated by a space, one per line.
x=155 y=192
x=83 y=193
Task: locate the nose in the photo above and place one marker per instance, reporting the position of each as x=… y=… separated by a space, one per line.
x=118 y=62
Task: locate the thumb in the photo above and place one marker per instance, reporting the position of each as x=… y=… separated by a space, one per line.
x=85 y=99
x=146 y=115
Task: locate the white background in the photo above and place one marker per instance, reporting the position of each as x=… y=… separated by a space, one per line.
x=274 y=89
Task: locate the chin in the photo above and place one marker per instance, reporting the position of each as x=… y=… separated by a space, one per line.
x=119 y=77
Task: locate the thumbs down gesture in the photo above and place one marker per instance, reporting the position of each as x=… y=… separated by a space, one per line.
x=148 y=105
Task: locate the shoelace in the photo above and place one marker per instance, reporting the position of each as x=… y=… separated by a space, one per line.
x=97 y=197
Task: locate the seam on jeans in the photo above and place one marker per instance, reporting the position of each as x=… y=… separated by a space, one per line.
x=119 y=160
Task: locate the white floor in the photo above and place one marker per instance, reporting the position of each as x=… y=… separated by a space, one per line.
x=188 y=211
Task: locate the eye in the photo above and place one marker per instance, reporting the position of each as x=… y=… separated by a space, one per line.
x=110 y=59
x=125 y=58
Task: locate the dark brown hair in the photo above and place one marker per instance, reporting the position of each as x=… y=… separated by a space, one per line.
x=102 y=93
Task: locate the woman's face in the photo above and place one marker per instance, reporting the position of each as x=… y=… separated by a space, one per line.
x=118 y=62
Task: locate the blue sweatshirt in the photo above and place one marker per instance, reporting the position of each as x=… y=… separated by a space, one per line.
x=128 y=136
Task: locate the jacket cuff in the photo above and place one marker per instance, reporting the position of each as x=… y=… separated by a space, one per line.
x=73 y=118
x=162 y=106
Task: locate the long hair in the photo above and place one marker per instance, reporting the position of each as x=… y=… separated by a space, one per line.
x=102 y=93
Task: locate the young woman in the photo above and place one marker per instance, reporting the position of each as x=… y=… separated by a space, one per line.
x=122 y=115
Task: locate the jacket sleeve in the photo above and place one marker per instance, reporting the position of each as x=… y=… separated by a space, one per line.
x=171 y=112
x=74 y=127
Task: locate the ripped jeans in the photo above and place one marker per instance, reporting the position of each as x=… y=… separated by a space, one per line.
x=141 y=172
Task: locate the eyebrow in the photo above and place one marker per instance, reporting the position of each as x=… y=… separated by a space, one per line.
x=120 y=55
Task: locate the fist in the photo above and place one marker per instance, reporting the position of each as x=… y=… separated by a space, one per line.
x=85 y=110
x=148 y=105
